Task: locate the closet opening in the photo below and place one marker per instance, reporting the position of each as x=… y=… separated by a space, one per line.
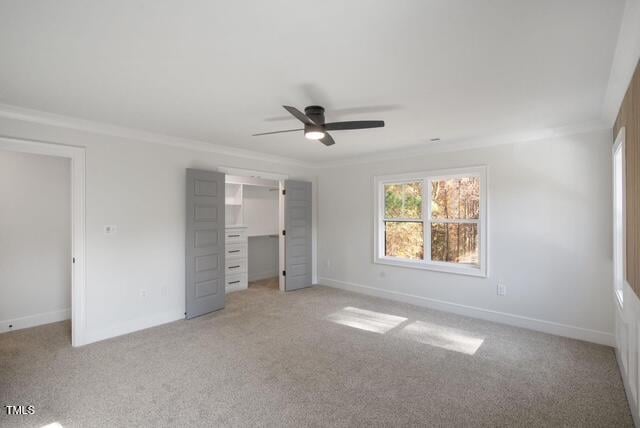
x=254 y=238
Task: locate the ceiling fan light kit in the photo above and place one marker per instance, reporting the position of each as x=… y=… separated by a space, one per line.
x=313 y=132
x=315 y=127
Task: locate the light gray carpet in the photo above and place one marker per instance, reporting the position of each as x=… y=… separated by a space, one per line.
x=315 y=357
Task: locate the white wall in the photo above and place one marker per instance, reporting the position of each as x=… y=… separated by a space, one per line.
x=135 y=277
x=549 y=236
x=263 y=257
x=35 y=240
x=260 y=208
x=627 y=333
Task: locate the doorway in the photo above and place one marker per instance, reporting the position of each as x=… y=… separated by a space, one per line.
x=75 y=233
x=255 y=247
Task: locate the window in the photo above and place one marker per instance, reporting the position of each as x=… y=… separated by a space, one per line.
x=432 y=220
x=619 y=220
x=403 y=225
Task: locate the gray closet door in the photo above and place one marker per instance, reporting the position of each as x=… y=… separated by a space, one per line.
x=205 y=242
x=297 y=224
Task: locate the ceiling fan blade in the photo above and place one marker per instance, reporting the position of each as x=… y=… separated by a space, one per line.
x=277 y=132
x=354 y=124
x=327 y=140
x=299 y=115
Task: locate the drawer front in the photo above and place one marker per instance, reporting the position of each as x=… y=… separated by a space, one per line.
x=235 y=282
x=235 y=266
x=237 y=236
x=232 y=251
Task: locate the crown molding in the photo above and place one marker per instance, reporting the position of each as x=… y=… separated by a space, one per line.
x=60 y=121
x=471 y=143
x=94 y=127
x=625 y=60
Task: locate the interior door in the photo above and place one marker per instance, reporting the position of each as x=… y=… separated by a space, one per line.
x=205 y=287
x=297 y=221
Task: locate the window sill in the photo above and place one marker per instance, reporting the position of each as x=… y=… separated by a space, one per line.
x=436 y=267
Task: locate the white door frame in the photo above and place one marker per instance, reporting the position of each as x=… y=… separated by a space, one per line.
x=78 y=265
x=619 y=242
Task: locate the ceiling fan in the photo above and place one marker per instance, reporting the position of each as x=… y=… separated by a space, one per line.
x=316 y=129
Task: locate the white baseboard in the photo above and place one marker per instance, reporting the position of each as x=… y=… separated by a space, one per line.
x=595 y=336
x=257 y=276
x=132 y=326
x=34 y=320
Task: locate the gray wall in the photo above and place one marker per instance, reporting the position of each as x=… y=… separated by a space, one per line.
x=263 y=257
x=35 y=243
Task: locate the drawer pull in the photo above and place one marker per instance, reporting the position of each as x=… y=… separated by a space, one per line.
x=234 y=236
x=234 y=282
x=234 y=251
x=234 y=267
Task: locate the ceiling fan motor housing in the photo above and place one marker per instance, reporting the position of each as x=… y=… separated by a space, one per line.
x=315 y=113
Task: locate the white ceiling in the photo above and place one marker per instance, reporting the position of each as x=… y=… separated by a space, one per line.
x=218 y=71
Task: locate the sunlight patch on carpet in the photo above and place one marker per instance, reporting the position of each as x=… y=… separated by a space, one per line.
x=364 y=319
x=442 y=336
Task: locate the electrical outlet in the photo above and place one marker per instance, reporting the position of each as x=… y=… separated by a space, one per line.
x=501 y=289
x=110 y=229
x=143 y=292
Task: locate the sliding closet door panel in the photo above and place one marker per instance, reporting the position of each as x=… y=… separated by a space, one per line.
x=297 y=219
x=205 y=270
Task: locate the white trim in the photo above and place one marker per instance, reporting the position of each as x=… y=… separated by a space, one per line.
x=627 y=388
x=78 y=269
x=619 y=145
x=625 y=59
x=34 y=320
x=281 y=239
x=550 y=327
x=41 y=117
x=264 y=175
x=627 y=335
x=426 y=177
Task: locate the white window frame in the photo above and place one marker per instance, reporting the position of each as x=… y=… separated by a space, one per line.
x=426 y=177
x=619 y=240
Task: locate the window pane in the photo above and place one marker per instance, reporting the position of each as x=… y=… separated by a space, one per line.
x=456 y=198
x=403 y=200
x=456 y=243
x=404 y=239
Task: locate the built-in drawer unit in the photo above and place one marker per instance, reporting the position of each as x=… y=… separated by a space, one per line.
x=235 y=282
x=235 y=266
x=234 y=251
x=235 y=255
x=235 y=235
